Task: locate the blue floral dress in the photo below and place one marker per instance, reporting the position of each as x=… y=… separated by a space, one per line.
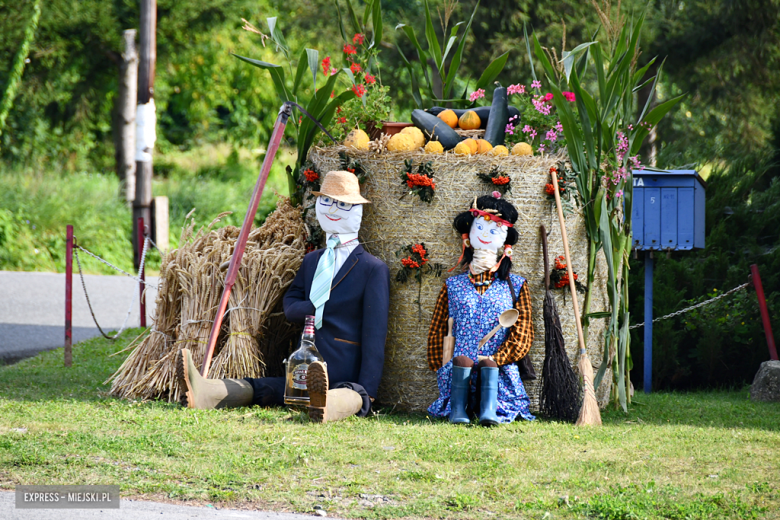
x=475 y=316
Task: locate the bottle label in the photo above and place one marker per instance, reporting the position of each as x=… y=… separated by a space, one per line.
x=299 y=376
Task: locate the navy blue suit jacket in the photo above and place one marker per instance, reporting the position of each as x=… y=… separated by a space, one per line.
x=354 y=321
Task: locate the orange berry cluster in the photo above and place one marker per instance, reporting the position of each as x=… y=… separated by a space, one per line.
x=418 y=179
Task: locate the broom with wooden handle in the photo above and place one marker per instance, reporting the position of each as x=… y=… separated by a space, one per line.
x=589 y=413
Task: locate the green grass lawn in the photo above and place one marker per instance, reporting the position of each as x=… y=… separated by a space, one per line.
x=678 y=456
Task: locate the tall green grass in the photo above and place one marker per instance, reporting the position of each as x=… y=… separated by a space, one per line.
x=36 y=207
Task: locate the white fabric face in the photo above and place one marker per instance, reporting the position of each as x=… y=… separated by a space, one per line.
x=338 y=218
x=485 y=234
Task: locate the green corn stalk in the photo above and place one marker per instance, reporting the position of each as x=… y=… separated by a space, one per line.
x=15 y=77
x=603 y=110
x=447 y=75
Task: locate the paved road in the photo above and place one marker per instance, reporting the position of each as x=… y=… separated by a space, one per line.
x=32 y=310
x=134 y=510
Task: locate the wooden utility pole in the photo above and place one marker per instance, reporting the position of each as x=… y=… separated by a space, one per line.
x=145 y=120
x=124 y=116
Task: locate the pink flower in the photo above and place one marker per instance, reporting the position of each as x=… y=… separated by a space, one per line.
x=516 y=89
x=551 y=136
x=510 y=129
x=548 y=96
x=541 y=106
x=536 y=84
x=541 y=147
x=477 y=95
x=569 y=96
x=619 y=194
x=532 y=135
x=559 y=127
x=527 y=129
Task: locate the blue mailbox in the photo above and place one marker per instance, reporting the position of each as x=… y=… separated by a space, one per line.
x=667 y=215
x=668 y=210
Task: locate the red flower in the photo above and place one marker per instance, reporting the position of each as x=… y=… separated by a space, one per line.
x=359 y=90
x=326 y=65
x=500 y=181
x=358 y=38
x=311 y=175
x=341 y=120
x=370 y=80
x=338 y=109
x=570 y=96
x=548 y=97
x=332 y=93
x=349 y=49
x=355 y=68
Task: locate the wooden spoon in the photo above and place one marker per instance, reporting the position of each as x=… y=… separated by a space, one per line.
x=506 y=319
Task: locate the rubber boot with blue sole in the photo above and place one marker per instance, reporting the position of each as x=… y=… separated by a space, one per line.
x=459 y=394
x=488 y=401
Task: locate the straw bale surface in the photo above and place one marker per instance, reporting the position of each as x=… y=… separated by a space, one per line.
x=391 y=222
x=191 y=285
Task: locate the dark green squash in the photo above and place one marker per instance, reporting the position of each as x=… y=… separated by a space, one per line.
x=435 y=129
x=482 y=112
x=495 y=131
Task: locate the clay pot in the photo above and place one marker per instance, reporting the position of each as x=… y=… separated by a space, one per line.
x=387 y=127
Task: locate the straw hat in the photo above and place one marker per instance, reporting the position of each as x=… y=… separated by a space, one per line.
x=342 y=186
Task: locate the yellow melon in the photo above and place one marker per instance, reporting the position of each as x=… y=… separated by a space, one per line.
x=483 y=146
x=416 y=134
x=462 y=148
x=499 y=151
x=357 y=138
x=469 y=120
x=449 y=117
x=522 y=149
x=434 y=147
x=401 y=143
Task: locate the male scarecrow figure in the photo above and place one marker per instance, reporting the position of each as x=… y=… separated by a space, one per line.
x=347 y=290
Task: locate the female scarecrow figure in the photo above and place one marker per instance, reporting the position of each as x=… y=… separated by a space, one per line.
x=474 y=300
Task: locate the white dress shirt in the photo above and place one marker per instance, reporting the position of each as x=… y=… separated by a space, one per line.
x=347 y=243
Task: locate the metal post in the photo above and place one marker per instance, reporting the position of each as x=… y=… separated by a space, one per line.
x=141 y=239
x=648 y=321
x=69 y=297
x=770 y=339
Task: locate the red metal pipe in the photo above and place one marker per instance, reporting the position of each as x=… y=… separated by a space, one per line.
x=246 y=227
x=141 y=241
x=69 y=297
x=770 y=339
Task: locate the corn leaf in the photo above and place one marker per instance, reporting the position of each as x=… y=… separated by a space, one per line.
x=456 y=58
x=492 y=71
x=433 y=42
x=377 y=23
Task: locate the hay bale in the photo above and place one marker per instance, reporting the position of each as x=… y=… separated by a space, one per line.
x=391 y=222
x=191 y=285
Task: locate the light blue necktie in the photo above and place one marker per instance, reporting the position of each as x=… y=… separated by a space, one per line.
x=323 y=278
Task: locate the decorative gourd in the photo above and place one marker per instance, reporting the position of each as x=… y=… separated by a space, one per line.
x=472 y=144
x=416 y=134
x=499 y=117
x=499 y=151
x=522 y=149
x=449 y=117
x=434 y=147
x=483 y=146
x=482 y=112
x=469 y=121
x=463 y=148
x=435 y=129
x=401 y=143
x=357 y=138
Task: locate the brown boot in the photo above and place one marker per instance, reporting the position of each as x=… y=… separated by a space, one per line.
x=207 y=394
x=329 y=405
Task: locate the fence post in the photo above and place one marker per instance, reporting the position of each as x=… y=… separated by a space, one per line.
x=141 y=241
x=69 y=297
x=770 y=339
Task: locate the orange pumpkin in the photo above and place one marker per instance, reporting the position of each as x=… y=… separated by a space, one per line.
x=449 y=117
x=483 y=146
x=472 y=144
x=469 y=120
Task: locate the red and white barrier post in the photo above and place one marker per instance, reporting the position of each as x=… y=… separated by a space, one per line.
x=141 y=241
x=69 y=297
x=770 y=339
